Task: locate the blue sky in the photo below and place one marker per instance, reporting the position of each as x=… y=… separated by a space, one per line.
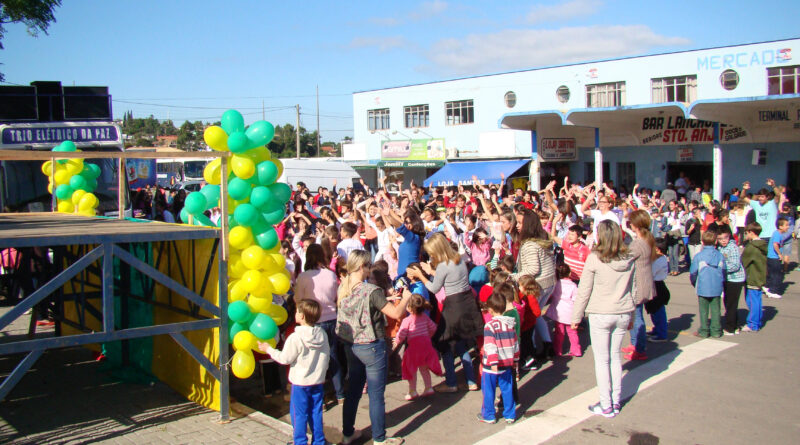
x=192 y=60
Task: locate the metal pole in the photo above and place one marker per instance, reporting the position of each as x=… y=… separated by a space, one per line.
x=717 y=191
x=121 y=190
x=318 y=136
x=598 y=158
x=224 y=381
x=535 y=180
x=297 y=130
x=53 y=201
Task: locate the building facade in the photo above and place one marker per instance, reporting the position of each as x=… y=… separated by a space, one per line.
x=722 y=115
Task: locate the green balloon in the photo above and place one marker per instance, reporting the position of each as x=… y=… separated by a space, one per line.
x=238 y=142
x=274 y=217
x=69 y=146
x=78 y=182
x=232 y=121
x=91 y=171
x=263 y=327
x=234 y=329
x=260 y=133
x=267 y=239
x=267 y=172
x=246 y=214
x=64 y=191
x=203 y=220
x=260 y=197
x=232 y=222
x=238 y=189
x=239 y=311
x=195 y=203
x=91 y=185
x=281 y=191
x=211 y=192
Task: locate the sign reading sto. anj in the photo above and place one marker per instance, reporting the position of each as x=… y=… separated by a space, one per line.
x=671 y=130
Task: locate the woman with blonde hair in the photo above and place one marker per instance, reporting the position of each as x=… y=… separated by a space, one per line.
x=606 y=294
x=643 y=249
x=461 y=319
x=362 y=329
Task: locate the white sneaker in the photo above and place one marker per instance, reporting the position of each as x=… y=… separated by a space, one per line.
x=772 y=294
x=346 y=440
x=390 y=441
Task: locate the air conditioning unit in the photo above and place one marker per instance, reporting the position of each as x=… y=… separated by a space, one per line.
x=452 y=152
x=759 y=157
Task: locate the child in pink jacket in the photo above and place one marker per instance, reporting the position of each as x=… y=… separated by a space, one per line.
x=560 y=311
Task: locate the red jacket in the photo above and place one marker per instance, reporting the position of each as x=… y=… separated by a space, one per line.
x=532 y=311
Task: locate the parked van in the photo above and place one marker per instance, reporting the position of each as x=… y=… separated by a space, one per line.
x=319 y=172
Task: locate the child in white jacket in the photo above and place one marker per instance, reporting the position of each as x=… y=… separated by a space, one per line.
x=307 y=353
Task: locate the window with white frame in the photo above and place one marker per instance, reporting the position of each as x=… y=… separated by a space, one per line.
x=416 y=116
x=378 y=119
x=602 y=95
x=459 y=112
x=674 y=89
x=783 y=80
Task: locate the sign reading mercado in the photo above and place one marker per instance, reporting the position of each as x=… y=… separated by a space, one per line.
x=413 y=153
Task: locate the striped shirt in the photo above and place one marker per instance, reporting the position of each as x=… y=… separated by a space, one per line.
x=500 y=347
x=416 y=325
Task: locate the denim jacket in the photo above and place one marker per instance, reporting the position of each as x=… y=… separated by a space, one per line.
x=708 y=272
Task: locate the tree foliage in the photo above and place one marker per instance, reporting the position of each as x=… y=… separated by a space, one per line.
x=36 y=15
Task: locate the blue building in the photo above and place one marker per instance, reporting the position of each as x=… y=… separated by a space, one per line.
x=722 y=115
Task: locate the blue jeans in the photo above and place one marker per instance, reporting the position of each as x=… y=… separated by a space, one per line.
x=673 y=252
x=305 y=410
x=334 y=368
x=659 y=319
x=753 y=299
x=366 y=363
x=449 y=362
x=505 y=381
x=638 y=334
x=540 y=329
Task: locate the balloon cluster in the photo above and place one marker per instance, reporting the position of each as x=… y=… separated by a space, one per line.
x=73 y=182
x=256 y=202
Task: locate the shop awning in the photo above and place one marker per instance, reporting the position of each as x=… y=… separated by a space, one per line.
x=487 y=172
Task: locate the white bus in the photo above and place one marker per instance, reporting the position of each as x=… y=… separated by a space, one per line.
x=172 y=170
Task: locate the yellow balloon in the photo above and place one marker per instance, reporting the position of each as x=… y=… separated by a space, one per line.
x=240 y=237
x=273 y=341
x=213 y=171
x=237 y=293
x=268 y=264
x=243 y=364
x=50 y=187
x=90 y=212
x=251 y=280
x=253 y=257
x=278 y=313
x=259 y=154
x=279 y=259
x=62 y=177
x=65 y=206
x=88 y=202
x=77 y=195
x=259 y=304
x=74 y=166
x=280 y=283
x=47 y=168
x=243 y=166
x=216 y=138
x=278 y=164
x=266 y=288
x=244 y=341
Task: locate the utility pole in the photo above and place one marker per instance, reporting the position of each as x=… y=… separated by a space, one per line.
x=263 y=111
x=318 y=136
x=298 y=130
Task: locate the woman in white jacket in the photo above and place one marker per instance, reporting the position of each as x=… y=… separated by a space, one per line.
x=606 y=294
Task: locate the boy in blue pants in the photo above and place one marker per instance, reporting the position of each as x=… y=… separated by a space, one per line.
x=500 y=356
x=708 y=275
x=307 y=353
x=754 y=261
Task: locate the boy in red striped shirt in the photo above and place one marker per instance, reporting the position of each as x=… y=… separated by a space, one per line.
x=500 y=355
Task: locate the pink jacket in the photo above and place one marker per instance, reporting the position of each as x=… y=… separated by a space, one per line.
x=562 y=300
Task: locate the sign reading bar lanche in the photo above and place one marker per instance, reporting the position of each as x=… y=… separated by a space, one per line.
x=563 y=149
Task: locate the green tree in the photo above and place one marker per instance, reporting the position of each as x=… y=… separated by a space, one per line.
x=36 y=15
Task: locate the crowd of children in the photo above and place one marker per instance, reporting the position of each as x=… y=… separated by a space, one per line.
x=521 y=255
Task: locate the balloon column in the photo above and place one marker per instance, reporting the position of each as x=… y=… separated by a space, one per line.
x=255 y=203
x=73 y=182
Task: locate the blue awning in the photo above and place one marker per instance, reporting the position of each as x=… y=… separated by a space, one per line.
x=487 y=172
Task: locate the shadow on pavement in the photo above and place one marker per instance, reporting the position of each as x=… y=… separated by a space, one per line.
x=67 y=397
x=679 y=324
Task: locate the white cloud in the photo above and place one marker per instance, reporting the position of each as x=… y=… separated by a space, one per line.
x=382 y=43
x=563 y=11
x=384 y=21
x=424 y=11
x=520 y=49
